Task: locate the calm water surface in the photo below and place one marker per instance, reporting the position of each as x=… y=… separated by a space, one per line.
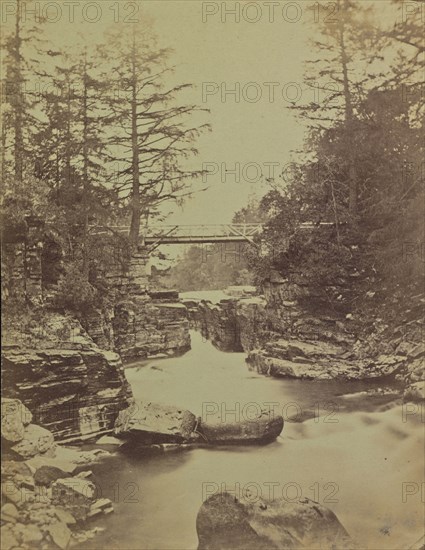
x=350 y=452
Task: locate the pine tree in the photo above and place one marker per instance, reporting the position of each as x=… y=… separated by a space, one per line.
x=339 y=77
x=21 y=59
x=152 y=137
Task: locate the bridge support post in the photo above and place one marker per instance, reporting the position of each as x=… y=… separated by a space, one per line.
x=139 y=270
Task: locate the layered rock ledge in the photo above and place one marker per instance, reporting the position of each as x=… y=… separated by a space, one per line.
x=72 y=387
x=321 y=361
x=285 y=335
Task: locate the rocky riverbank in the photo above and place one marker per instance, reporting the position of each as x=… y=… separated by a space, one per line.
x=48 y=496
x=285 y=338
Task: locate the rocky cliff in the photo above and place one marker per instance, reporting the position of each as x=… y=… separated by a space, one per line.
x=73 y=387
x=145 y=327
x=126 y=317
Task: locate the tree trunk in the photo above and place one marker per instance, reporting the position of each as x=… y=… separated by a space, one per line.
x=68 y=138
x=18 y=99
x=86 y=184
x=349 y=117
x=135 y=191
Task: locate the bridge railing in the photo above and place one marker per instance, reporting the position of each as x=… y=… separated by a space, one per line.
x=204 y=230
x=199 y=231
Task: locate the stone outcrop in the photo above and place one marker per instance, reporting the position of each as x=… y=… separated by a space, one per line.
x=262 y=427
x=74 y=388
x=233 y=324
x=15 y=417
x=140 y=326
x=414 y=371
x=216 y=322
x=245 y=324
x=145 y=328
x=319 y=360
x=155 y=425
x=133 y=321
x=152 y=423
x=290 y=332
x=35 y=440
x=252 y=522
x=140 y=323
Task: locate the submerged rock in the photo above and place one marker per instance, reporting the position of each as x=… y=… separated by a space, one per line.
x=224 y=522
x=262 y=427
x=153 y=423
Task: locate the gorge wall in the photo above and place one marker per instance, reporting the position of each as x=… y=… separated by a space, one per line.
x=292 y=331
x=141 y=326
x=74 y=388
x=66 y=366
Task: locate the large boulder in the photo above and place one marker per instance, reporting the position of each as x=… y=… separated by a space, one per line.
x=14 y=417
x=150 y=423
x=36 y=440
x=225 y=522
x=261 y=427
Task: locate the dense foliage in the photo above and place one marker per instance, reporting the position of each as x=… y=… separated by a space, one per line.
x=366 y=138
x=94 y=136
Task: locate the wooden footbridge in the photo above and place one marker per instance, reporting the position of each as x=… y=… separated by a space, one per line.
x=202 y=233
x=195 y=234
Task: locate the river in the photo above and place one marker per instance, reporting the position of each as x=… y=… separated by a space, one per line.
x=359 y=455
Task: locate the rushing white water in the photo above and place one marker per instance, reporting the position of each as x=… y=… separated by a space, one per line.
x=361 y=456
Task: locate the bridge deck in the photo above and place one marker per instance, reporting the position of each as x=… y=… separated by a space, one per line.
x=195 y=240
x=209 y=234
x=193 y=234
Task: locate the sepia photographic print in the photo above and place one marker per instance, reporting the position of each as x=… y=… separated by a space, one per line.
x=213 y=274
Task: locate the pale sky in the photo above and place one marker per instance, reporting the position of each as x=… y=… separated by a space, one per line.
x=227 y=54
x=263 y=54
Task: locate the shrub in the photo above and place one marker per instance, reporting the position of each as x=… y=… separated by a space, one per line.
x=75 y=292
